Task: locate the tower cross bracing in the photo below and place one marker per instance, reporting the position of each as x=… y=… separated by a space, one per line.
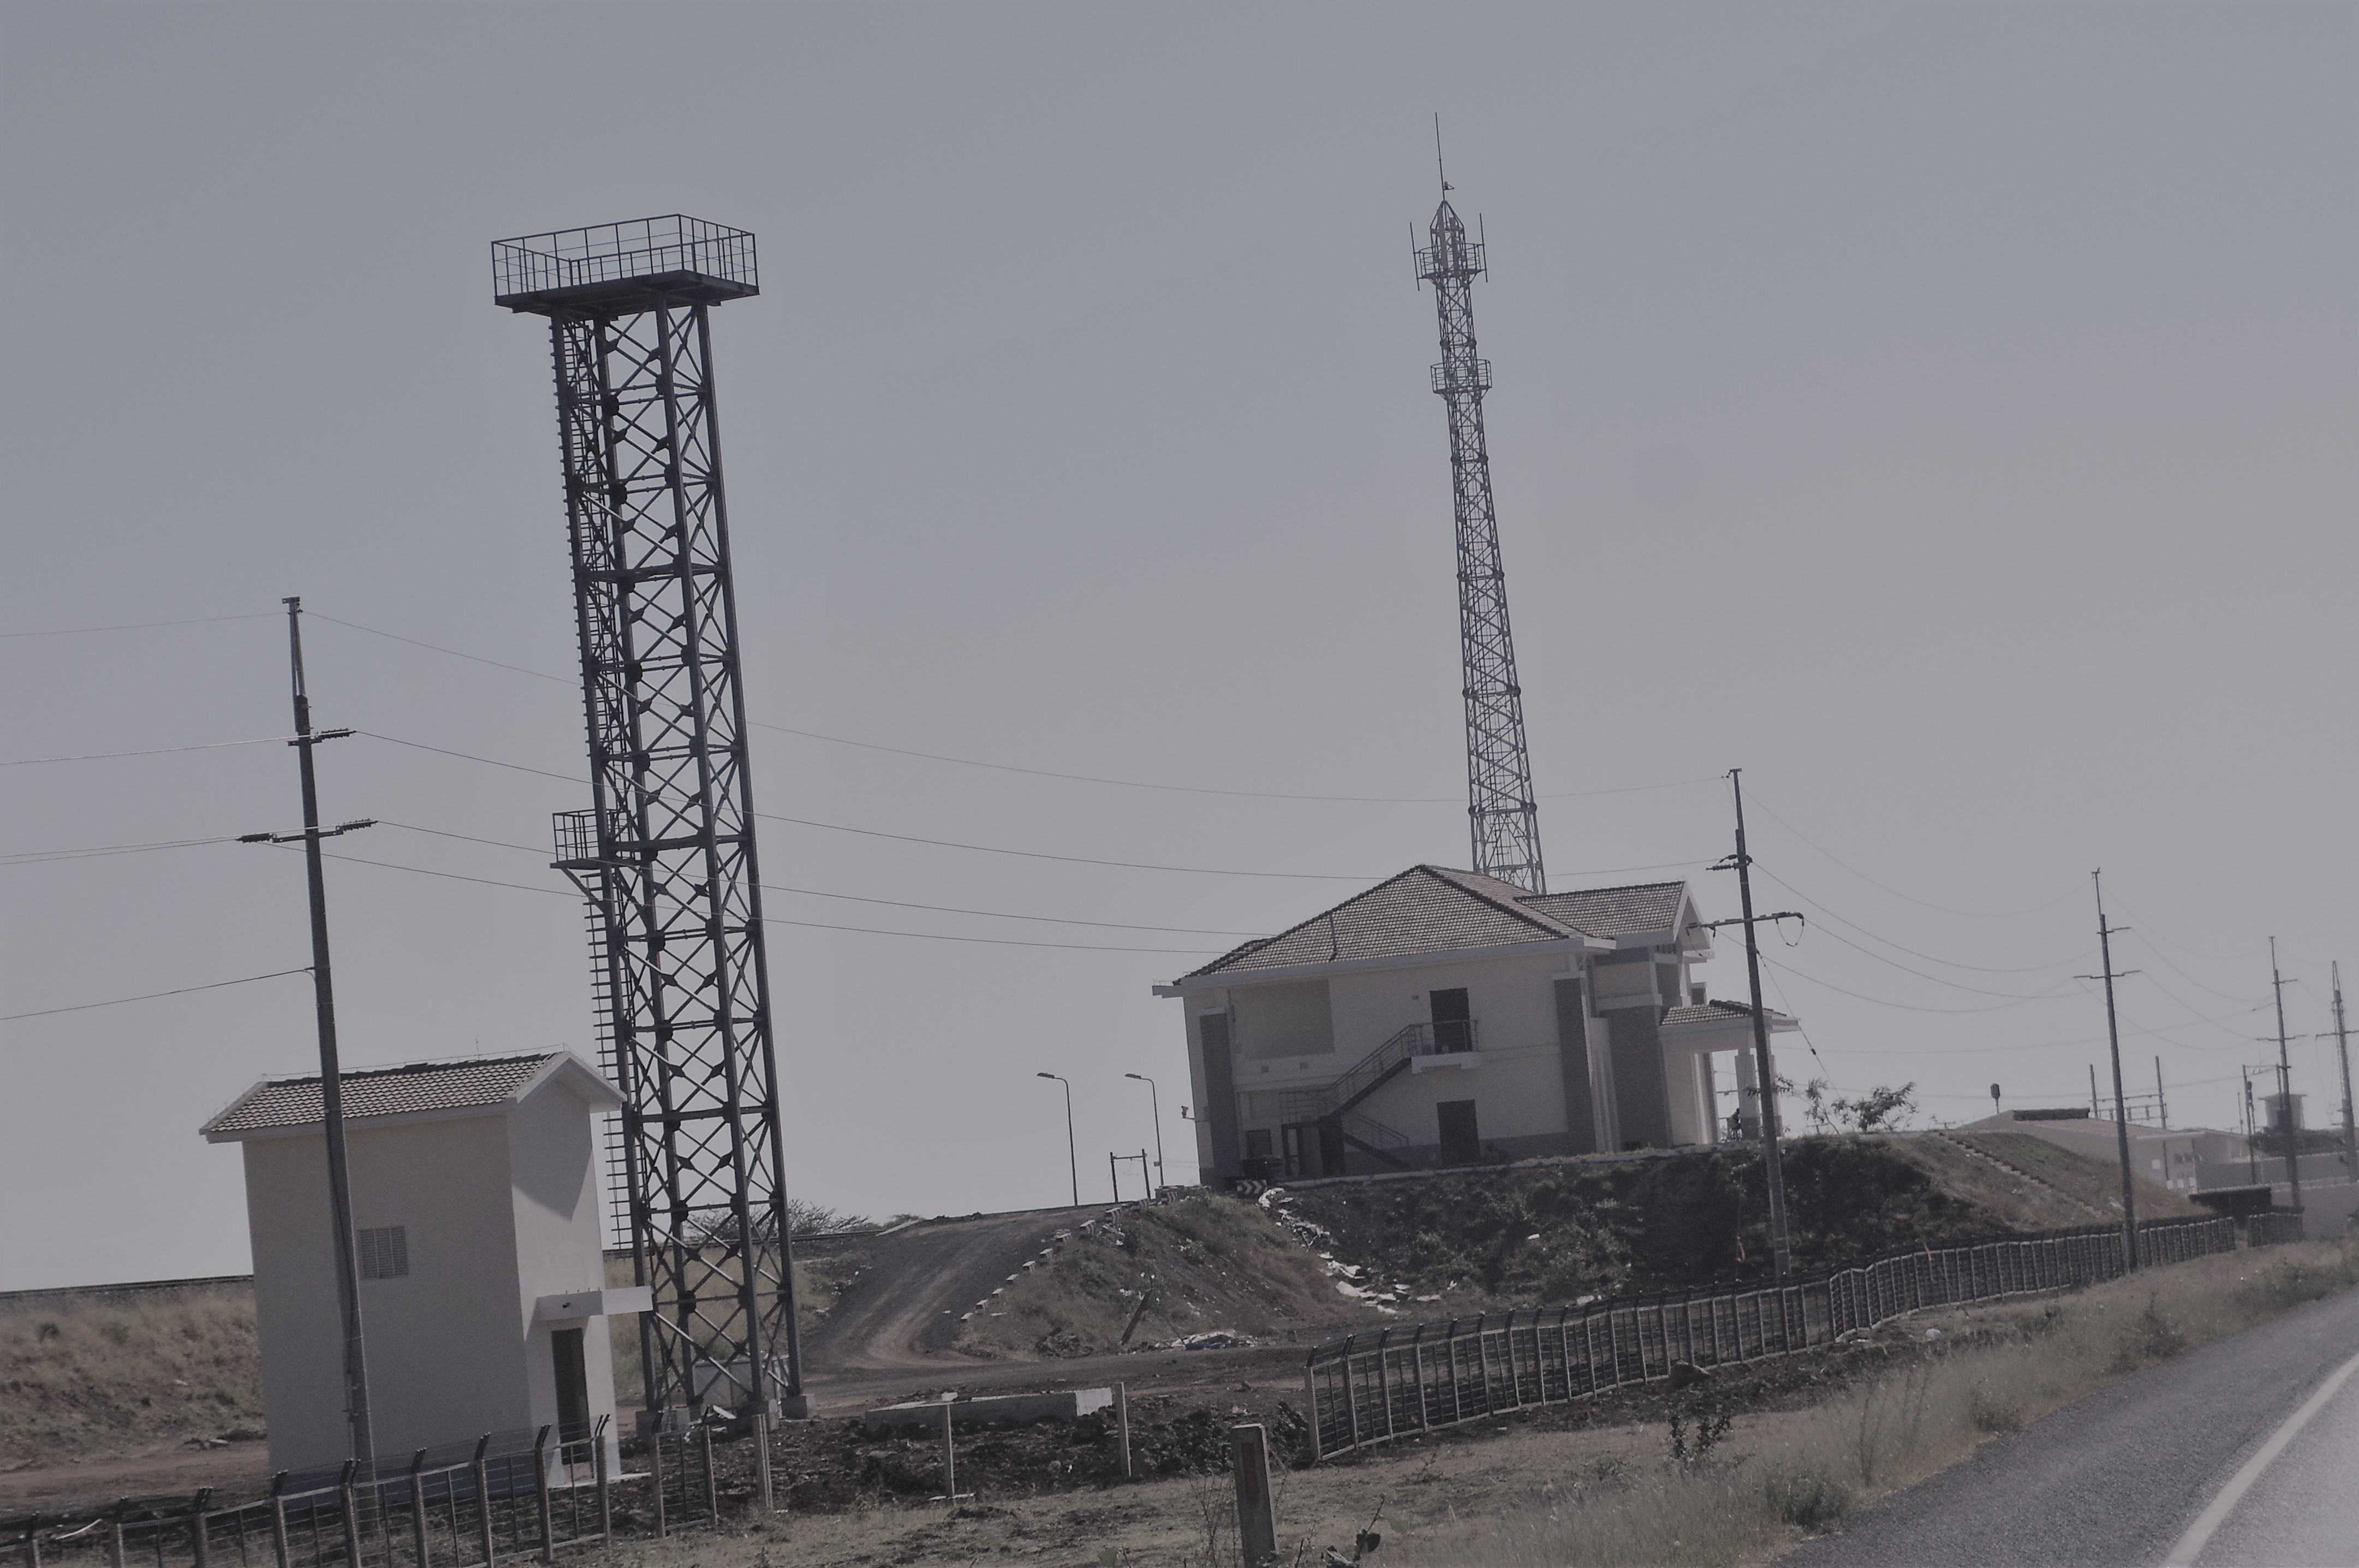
x=1503 y=816
x=666 y=853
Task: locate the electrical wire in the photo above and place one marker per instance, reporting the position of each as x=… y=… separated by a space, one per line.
x=144 y=625
x=1033 y=772
x=148 y=751
x=893 y=903
x=1754 y=798
x=1907 y=1006
x=1929 y=958
x=781 y=920
x=151 y=995
x=42 y=857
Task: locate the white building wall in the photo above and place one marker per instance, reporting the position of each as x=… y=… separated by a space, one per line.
x=553 y=1154
x=442 y=1342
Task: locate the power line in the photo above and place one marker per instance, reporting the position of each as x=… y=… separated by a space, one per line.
x=1910 y=1006
x=1943 y=909
x=39 y=856
x=781 y=920
x=470 y=757
x=151 y=995
x=1035 y=772
x=1929 y=958
x=144 y=625
x=893 y=903
x=149 y=751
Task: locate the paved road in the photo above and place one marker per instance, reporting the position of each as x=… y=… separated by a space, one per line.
x=2121 y=1476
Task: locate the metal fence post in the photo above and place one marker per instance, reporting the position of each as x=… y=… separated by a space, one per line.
x=655 y=1477
x=1309 y=1404
x=1385 y=1379
x=712 y=1488
x=198 y=1543
x=541 y=1494
x=605 y=1493
x=762 y=1460
x=348 y=1495
x=418 y=1505
x=114 y=1541
x=278 y=1522
x=483 y=1500
x=1351 y=1397
x=32 y=1541
x=1122 y=1427
x=1417 y=1372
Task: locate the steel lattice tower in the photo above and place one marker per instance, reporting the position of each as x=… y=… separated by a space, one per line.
x=666 y=853
x=1502 y=814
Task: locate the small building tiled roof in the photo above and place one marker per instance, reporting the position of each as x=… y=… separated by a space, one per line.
x=1616 y=911
x=1426 y=908
x=277 y=1104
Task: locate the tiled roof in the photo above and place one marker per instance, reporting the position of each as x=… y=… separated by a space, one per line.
x=1616 y=911
x=385 y=1091
x=1719 y=1010
x=1713 y=1011
x=1426 y=908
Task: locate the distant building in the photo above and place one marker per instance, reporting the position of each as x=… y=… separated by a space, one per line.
x=483 y=1300
x=1445 y=1018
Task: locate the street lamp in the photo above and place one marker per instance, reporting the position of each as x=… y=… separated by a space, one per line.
x=1071 y=1157
x=1155 y=1108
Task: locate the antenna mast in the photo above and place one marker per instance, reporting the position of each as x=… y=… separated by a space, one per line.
x=1502 y=815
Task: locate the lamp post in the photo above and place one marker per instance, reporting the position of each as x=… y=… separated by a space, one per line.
x=1073 y=1156
x=1155 y=1108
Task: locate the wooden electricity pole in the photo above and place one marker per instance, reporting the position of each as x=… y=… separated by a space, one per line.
x=2114 y=1036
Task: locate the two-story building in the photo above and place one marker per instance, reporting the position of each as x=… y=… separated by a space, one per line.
x=1445 y=1018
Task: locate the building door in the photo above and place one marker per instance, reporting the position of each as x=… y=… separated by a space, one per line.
x=1460 y=1143
x=1453 y=1023
x=573 y=1385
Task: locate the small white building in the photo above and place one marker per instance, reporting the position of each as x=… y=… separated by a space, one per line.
x=483 y=1300
x=1445 y=1018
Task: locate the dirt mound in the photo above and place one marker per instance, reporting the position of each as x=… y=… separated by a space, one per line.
x=1157 y=1273
x=84 y=1377
x=1555 y=1233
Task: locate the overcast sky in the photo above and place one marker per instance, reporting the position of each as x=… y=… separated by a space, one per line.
x=1944 y=412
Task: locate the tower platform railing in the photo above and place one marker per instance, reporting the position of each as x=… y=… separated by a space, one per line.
x=533 y=271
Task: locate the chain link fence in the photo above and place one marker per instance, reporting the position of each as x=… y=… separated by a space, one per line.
x=1413 y=1379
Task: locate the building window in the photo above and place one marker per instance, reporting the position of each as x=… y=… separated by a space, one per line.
x=384 y=1253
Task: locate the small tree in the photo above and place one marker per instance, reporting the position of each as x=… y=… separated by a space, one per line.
x=1881 y=1109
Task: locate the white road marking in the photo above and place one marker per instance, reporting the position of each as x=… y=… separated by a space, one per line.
x=2207 y=1524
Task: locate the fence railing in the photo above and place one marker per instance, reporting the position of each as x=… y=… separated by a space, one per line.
x=1410 y=1381
x=507 y=1495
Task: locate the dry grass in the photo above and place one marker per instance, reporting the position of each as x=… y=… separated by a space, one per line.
x=77 y=1378
x=1526 y=1494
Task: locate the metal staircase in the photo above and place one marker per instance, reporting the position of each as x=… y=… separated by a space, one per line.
x=1335 y=1104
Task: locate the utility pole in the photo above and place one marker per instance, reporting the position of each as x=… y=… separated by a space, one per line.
x=2343 y=1050
x=2092 y=1089
x=1780 y=1248
x=2161 y=1105
x=2113 y=1035
x=2285 y=1087
x=2251 y=1155
x=332 y=1088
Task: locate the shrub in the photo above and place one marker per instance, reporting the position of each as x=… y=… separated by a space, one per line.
x=1807 y=1499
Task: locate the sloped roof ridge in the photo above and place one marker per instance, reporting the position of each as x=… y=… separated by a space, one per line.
x=1517 y=904
x=1259 y=942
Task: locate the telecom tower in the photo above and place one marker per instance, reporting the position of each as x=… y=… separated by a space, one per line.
x=1501 y=814
x=665 y=855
